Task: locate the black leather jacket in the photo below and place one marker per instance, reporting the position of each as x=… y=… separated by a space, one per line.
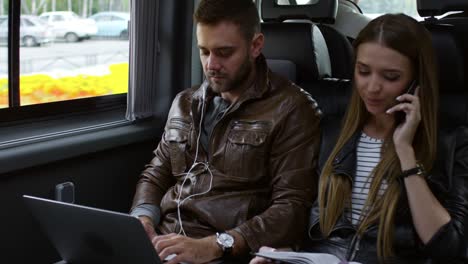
x=448 y=181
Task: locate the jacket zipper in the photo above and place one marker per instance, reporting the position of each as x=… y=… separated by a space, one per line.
x=211 y=134
x=354 y=246
x=229 y=110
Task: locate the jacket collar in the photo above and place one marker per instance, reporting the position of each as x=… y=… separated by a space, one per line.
x=345 y=161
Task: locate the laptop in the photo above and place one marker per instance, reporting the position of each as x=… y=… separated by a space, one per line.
x=84 y=234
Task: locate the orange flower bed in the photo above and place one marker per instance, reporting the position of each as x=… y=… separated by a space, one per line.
x=42 y=88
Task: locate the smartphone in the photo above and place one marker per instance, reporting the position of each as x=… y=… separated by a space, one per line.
x=400 y=115
x=412 y=87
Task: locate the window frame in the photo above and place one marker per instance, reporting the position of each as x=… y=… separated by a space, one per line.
x=72 y=134
x=15 y=112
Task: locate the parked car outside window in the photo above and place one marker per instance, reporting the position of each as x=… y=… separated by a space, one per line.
x=112 y=24
x=33 y=32
x=69 y=26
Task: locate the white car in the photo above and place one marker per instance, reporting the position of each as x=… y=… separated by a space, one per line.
x=69 y=26
x=33 y=32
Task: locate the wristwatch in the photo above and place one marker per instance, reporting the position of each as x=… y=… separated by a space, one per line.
x=418 y=170
x=226 y=242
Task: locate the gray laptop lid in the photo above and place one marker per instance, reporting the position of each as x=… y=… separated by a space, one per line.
x=89 y=235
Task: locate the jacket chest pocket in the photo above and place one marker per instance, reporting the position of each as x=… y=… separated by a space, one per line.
x=245 y=150
x=176 y=136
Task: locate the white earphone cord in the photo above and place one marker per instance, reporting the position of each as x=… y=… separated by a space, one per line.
x=195 y=164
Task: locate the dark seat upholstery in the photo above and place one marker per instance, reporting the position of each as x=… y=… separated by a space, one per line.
x=300 y=43
x=300 y=47
x=431 y=8
x=324 y=11
x=449 y=40
x=452 y=79
x=341 y=52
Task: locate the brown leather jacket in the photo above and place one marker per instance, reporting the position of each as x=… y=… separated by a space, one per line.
x=262 y=156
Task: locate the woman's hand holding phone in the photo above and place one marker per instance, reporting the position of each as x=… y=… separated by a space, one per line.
x=400 y=116
x=406 y=129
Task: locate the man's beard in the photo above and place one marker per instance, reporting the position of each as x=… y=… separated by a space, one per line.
x=229 y=84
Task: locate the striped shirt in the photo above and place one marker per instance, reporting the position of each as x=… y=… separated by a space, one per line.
x=368 y=155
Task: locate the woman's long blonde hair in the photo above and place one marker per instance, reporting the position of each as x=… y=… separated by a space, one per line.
x=405 y=35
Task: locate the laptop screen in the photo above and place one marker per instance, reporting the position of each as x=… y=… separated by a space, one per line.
x=84 y=234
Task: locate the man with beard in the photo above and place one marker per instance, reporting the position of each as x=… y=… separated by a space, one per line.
x=235 y=168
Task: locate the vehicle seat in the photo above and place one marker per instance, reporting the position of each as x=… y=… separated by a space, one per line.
x=452 y=59
x=350 y=20
x=300 y=47
x=322 y=13
x=340 y=50
x=450 y=39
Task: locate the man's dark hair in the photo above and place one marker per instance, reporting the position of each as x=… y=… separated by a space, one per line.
x=240 y=12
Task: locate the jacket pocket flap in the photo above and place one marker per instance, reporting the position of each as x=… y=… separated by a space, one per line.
x=253 y=138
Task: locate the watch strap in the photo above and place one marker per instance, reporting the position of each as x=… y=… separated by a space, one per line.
x=418 y=170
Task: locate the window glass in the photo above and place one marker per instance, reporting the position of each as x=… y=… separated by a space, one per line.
x=117 y=18
x=45 y=18
x=374 y=8
x=103 y=18
x=3 y=54
x=57 y=18
x=65 y=56
x=296 y=2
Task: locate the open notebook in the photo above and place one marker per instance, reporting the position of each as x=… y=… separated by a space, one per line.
x=302 y=257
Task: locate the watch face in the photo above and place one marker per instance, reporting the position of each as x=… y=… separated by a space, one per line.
x=226 y=240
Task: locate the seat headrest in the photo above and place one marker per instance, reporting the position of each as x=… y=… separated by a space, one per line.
x=284 y=68
x=300 y=43
x=316 y=11
x=427 y=8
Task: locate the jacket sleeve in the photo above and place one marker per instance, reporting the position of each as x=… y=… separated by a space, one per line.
x=293 y=180
x=157 y=176
x=450 y=241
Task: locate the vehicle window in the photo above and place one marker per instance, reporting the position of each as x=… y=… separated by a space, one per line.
x=67 y=60
x=374 y=9
x=57 y=18
x=26 y=22
x=3 y=60
x=36 y=20
x=116 y=18
x=103 y=18
x=296 y=2
x=44 y=18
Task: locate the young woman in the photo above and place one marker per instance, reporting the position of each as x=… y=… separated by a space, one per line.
x=389 y=191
